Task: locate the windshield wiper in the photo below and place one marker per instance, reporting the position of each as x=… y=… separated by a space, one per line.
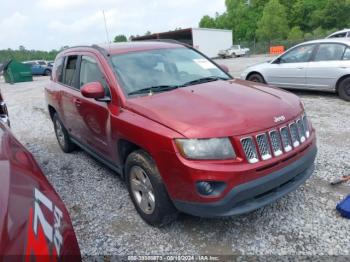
x=204 y=80
x=154 y=89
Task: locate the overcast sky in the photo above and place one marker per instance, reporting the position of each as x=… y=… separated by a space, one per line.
x=51 y=24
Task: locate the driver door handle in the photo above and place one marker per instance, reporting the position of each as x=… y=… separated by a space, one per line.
x=77 y=102
x=300 y=67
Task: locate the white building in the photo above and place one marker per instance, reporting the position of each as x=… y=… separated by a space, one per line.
x=208 y=41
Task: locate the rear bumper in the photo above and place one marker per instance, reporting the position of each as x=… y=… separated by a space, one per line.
x=250 y=196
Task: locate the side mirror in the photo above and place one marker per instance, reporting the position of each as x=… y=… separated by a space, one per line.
x=93 y=90
x=277 y=61
x=225 y=68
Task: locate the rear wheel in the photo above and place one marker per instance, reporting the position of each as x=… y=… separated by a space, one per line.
x=147 y=190
x=47 y=72
x=256 y=78
x=344 y=89
x=62 y=135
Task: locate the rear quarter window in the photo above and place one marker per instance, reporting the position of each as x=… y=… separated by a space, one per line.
x=347 y=54
x=58 y=70
x=340 y=35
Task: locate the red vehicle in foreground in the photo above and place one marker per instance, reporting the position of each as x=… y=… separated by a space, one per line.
x=34 y=223
x=183 y=133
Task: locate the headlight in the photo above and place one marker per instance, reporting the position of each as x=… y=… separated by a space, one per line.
x=206 y=149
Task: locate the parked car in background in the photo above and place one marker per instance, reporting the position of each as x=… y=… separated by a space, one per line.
x=234 y=51
x=322 y=65
x=180 y=130
x=50 y=63
x=39 y=67
x=34 y=222
x=4 y=116
x=340 y=34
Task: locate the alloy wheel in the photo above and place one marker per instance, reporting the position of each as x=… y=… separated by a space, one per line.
x=59 y=133
x=142 y=189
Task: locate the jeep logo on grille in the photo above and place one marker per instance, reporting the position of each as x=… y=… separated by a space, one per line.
x=278 y=119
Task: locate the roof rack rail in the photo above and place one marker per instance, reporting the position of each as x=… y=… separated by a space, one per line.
x=94 y=46
x=172 y=41
x=101 y=49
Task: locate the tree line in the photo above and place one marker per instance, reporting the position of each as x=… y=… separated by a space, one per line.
x=268 y=20
x=22 y=54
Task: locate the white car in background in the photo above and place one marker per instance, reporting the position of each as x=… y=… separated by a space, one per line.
x=234 y=51
x=322 y=65
x=340 y=34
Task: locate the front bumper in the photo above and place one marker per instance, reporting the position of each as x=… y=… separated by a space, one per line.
x=250 y=196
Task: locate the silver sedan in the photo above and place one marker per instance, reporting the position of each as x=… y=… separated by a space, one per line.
x=322 y=65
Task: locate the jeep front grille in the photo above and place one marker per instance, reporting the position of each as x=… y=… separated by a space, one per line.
x=294 y=134
x=287 y=144
x=250 y=150
x=264 y=146
x=301 y=130
x=306 y=126
x=276 y=142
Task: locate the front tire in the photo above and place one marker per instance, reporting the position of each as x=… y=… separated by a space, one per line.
x=257 y=78
x=62 y=135
x=147 y=190
x=344 y=89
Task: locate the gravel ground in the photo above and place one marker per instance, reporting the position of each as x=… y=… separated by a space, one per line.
x=303 y=223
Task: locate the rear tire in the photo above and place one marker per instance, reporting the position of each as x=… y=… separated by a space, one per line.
x=62 y=135
x=47 y=72
x=147 y=190
x=344 y=89
x=257 y=78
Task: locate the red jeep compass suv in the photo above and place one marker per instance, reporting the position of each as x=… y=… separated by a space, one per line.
x=182 y=132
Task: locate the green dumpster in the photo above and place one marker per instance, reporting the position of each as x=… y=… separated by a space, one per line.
x=15 y=72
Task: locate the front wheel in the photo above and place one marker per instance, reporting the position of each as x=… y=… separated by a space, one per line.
x=344 y=89
x=256 y=78
x=147 y=190
x=47 y=72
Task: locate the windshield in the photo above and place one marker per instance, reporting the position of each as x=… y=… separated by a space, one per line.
x=164 y=69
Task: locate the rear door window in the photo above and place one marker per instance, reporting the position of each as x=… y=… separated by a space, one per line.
x=329 y=52
x=70 y=71
x=91 y=72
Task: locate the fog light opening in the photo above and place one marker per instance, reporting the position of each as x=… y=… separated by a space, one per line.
x=207 y=188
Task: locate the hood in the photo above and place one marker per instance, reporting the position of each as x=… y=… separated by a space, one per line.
x=258 y=65
x=218 y=109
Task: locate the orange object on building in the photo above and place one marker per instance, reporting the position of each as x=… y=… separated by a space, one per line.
x=276 y=50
